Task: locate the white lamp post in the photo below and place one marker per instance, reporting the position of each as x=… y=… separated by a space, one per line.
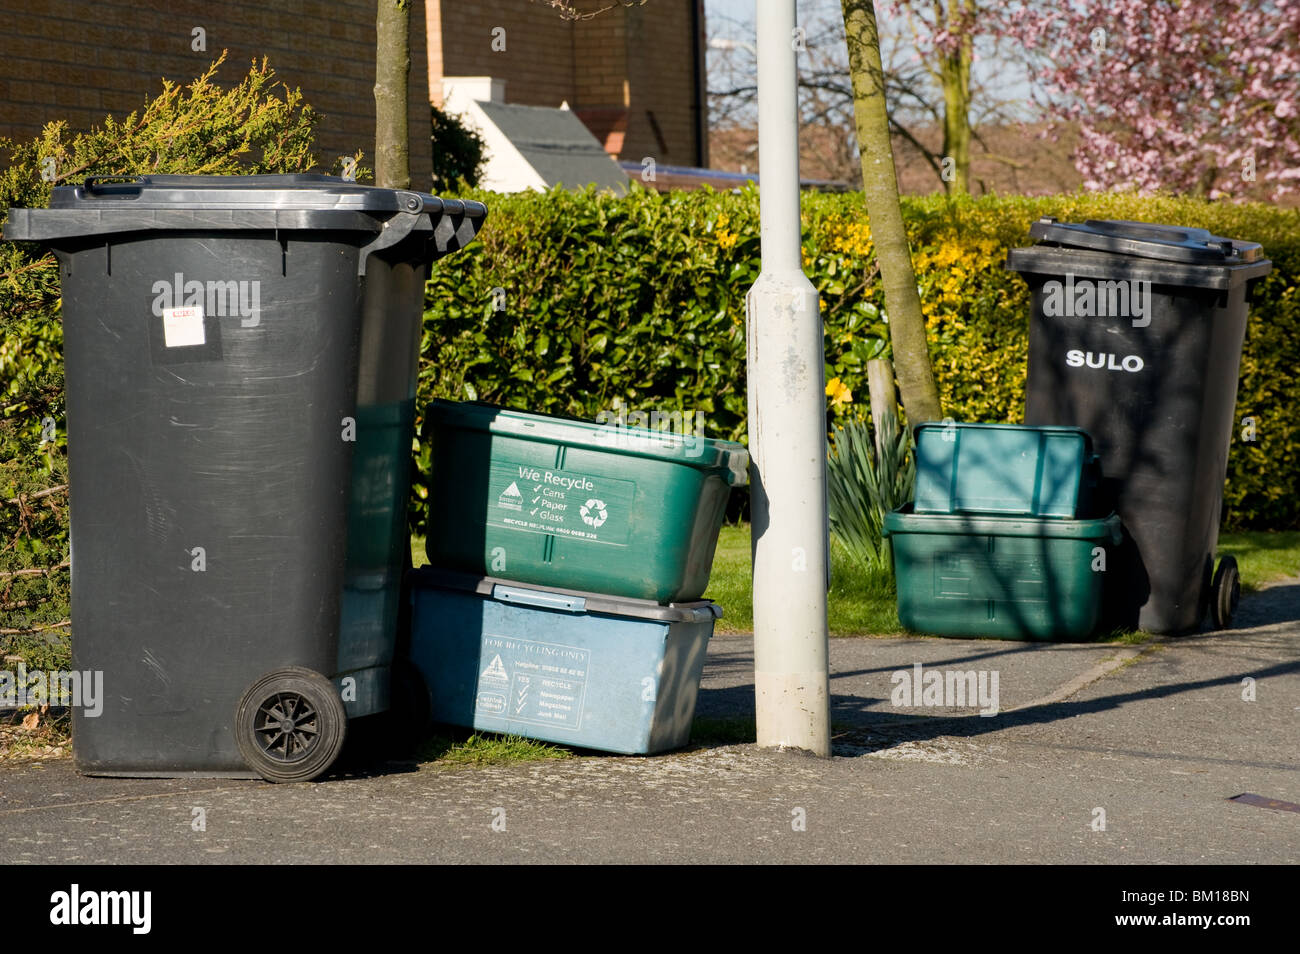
x=787 y=424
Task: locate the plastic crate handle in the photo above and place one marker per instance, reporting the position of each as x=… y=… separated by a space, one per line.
x=564 y=602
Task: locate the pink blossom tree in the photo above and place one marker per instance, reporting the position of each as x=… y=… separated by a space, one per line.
x=1191 y=96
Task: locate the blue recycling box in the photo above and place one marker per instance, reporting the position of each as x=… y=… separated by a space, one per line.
x=582 y=669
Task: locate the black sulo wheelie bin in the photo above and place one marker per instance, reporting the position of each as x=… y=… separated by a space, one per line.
x=1136 y=335
x=240 y=361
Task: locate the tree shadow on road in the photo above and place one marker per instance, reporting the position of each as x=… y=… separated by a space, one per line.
x=862 y=727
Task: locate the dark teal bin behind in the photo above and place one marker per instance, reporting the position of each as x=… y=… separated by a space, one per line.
x=1004 y=469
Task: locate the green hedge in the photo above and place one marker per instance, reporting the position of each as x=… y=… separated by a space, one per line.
x=640 y=301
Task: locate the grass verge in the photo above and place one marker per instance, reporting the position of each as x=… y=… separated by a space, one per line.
x=1262 y=557
x=859 y=602
x=480 y=749
x=418 y=557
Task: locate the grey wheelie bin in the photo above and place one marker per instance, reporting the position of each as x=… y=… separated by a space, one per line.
x=1136 y=335
x=240 y=357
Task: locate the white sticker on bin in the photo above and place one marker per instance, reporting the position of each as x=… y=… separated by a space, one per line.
x=183 y=327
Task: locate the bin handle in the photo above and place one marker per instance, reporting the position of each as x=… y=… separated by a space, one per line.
x=394 y=229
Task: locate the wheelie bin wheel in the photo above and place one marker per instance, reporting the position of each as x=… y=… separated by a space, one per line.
x=290 y=725
x=1225 y=593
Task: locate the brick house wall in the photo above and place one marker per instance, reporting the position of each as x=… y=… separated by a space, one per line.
x=76 y=60
x=663 y=101
x=537 y=62
x=630 y=73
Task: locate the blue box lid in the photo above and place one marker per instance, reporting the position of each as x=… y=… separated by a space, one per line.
x=562 y=600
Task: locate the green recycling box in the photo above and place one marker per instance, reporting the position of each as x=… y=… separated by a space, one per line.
x=1000 y=577
x=1007 y=469
x=603 y=508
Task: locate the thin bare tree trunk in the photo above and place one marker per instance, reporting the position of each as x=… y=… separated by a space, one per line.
x=954 y=72
x=880 y=190
x=392 y=77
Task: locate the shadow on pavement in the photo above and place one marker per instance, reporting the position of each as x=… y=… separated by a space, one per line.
x=862 y=728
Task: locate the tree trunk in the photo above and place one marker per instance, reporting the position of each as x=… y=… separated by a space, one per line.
x=880 y=190
x=954 y=71
x=392 y=78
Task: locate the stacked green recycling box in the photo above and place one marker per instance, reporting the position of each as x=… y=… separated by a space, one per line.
x=599 y=507
x=1002 y=540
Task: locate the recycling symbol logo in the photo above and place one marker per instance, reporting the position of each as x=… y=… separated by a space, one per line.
x=593 y=512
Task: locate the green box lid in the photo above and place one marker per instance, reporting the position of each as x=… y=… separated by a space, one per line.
x=703 y=453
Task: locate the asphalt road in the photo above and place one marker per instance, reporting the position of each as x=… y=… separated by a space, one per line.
x=1157 y=737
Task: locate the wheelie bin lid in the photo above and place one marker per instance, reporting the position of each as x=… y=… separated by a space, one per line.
x=106 y=205
x=1118 y=248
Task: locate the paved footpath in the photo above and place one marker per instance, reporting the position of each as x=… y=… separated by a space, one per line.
x=1158 y=737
